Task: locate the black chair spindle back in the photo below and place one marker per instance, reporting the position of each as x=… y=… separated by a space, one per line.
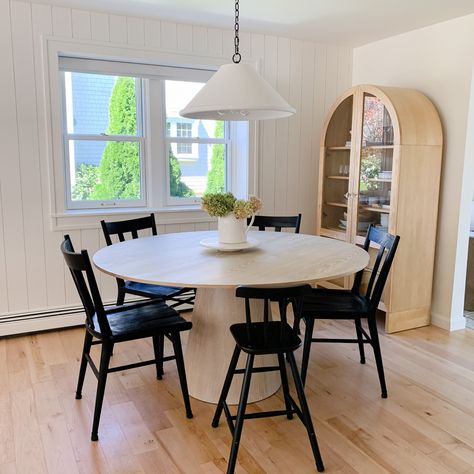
x=278 y=222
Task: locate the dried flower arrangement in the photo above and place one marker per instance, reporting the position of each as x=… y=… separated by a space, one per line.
x=223 y=204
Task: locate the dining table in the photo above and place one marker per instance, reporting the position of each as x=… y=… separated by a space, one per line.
x=182 y=260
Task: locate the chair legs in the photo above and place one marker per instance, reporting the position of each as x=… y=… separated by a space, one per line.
x=239 y=421
x=99 y=397
x=308 y=335
x=159 y=347
x=374 y=336
x=82 y=369
x=285 y=387
x=226 y=387
x=178 y=352
x=360 y=340
x=303 y=411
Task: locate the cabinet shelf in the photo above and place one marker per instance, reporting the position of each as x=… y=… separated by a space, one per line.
x=338 y=148
x=336 y=176
x=374 y=209
x=336 y=204
x=377 y=147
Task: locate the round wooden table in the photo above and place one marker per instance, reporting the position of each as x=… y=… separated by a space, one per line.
x=280 y=259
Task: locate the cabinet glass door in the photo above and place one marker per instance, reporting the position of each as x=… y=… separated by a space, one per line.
x=376 y=165
x=337 y=151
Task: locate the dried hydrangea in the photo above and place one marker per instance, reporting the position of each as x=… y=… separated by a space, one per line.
x=256 y=204
x=218 y=204
x=242 y=209
x=222 y=204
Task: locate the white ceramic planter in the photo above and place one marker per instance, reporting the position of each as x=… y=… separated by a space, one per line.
x=232 y=230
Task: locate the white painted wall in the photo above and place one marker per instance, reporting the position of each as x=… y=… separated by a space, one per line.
x=438 y=61
x=32 y=275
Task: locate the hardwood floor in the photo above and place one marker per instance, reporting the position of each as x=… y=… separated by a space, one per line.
x=426 y=425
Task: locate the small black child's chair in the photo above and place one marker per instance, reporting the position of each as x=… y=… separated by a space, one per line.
x=152 y=319
x=353 y=304
x=166 y=293
x=266 y=337
x=277 y=222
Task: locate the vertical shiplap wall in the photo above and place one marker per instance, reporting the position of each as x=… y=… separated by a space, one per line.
x=32 y=274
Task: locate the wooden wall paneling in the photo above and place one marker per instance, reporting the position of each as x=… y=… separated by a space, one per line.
x=228 y=43
x=282 y=152
x=152 y=34
x=62 y=23
x=169 y=36
x=100 y=26
x=268 y=127
x=10 y=173
x=344 y=69
x=187 y=227
x=214 y=41
x=306 y=184
x=43 y=25
x=257 y=42
x=30 y=175
x=184 y=37
x=319 y=96
x=118 y=29
x=81 y=24
x=245 y=45
x=331 y=76
x=293 y=162
x=135 y=31
x=201 y=226
x=200 y=39
x=3 y=263
x=172 y=228
x=90 y=241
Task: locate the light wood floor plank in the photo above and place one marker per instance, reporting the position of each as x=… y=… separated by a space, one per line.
x=426 y=424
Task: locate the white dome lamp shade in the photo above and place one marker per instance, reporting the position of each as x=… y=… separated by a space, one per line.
x=237 y=92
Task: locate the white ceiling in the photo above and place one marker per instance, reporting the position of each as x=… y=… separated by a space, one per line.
x=344 y=22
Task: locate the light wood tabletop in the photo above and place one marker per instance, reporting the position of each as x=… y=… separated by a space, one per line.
x=280 y=258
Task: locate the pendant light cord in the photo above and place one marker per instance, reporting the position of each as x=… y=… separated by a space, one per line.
x=236 y=57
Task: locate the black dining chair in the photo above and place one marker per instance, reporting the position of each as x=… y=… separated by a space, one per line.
x=277 y=222
x=353 y=304
x=259 y=338
x=129 y=322
x=179 y=296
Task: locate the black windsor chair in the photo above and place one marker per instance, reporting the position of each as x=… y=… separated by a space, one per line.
x=129 y=322
x=267 y=337
x=277 y=222
x=146 y=290
x=353 y=304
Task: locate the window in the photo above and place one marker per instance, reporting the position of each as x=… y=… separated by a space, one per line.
x=125 y=144
x=184 y=130
x=197 y=149
x=103 y=140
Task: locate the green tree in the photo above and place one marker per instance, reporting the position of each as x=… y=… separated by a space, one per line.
x=216 y=175
x=177 y=187
x=87 y=177
x=119 y=169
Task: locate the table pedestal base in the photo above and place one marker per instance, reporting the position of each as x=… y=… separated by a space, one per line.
x=210 y=347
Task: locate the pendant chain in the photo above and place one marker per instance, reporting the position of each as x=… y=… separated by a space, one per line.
x=236 y=57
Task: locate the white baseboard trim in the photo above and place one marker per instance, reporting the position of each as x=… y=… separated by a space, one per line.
x=58 y=318
x=449 y=324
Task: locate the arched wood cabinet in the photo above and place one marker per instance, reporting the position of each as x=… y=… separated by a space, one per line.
x=380 y=163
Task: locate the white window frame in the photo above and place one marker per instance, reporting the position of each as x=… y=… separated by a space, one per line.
x=244 y=176
x=138 y=138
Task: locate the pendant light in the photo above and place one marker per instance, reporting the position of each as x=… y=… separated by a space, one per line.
x=237 y=92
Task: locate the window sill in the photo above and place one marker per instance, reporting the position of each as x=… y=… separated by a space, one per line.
x=90 y=218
